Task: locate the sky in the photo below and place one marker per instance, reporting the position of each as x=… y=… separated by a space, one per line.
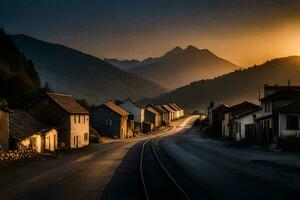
x=246 y=32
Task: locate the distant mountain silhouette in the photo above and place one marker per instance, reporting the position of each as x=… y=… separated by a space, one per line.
x=19 y=81
x=84 y=76
x=179 y=67
x=236 y=86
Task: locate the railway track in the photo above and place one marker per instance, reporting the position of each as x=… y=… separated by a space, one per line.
x=157 y=181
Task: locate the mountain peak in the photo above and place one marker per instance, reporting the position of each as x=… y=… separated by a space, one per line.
x=191 y=47
x=174 y=51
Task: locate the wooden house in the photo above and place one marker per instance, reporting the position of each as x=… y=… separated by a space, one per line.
x=181 y=111
x=176 y=110
x=171 y=112
x=71 y=119
x=152 y=116
x=137 y=110
x=165 y=114
x=26 y=132
x=110 y=120
x=216 y=117
x=4 y=122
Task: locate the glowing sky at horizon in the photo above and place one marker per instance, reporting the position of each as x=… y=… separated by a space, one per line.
x=245 y=32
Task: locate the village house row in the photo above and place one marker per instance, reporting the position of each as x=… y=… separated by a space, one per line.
x=58 y=121
x=276 y=118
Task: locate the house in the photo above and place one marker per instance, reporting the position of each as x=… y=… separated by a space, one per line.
x=216 y=116
x=269 y=121
x=26 y=132
x=165 y=114
x=289 y=119
x=4 y=122
x=242 y=120
x=230 y=128
x=137 y=110
x=176 y=110
x=161 y=113
x=170 y=112
x=152 y=116
x=71 y=119
x=181 y=111
x=209 y=112
x=110 y=120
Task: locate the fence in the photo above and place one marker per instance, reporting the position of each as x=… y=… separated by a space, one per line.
x=289 y=143
x=254 y=135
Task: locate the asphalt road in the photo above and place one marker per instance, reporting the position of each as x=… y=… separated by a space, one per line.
x=100 y=172
x=225 y=171
x=209 y=169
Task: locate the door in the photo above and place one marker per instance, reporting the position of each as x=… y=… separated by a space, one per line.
x=76 y=141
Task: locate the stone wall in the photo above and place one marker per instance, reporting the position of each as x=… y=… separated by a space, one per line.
x=10 y=157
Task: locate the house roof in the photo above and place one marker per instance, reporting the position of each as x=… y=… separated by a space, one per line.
x=151 y=109
x=219 y=107
x=162 y=108
x=174 y=104
x=247 y=112
x=167 y=108
x=68 y=103
x=283 y=94
x=22 y=125
x=5 y=109
x=137 y=104
x=293 y=107
x=173 y=107
x=116 y=109
x=246 y=105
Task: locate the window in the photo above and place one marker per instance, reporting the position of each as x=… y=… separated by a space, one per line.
x=83 y=118
x=74 y=119
x=292 y=123
x=108 y=122
x=78 y=118
x=86 y=137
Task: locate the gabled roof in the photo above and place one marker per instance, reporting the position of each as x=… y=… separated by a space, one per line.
x=116 y=109
x=68 y=103
x=137 y=104
x=293 y=107
x=22 y=125
x=219 y=107
x=173 y=107
x=284 y=94
x=247 y=112
x=167 y=108
x=241 y=108
x=162 y=108
x=174 y=104
x=152 y=110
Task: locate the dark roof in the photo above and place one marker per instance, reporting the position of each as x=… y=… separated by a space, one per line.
x=22 y=125
x=116 y=109
x=137 y=104
x=160 y=108
x=174 y=104
x=285 y=94
x=293 y=107
x=247 y=112
x=152 y=110
x=156 y=108
x=5 y=109
x=167 y=108
x=220 y=107
x=242 y=105
x=173 y=107
x=68 y=103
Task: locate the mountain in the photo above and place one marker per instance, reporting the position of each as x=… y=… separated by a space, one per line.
x=19 y=81
x=234 y=87
x=86 y=77
x=123 y=64
x=179 y=67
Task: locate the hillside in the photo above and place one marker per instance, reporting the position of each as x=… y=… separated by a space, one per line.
x=236 y=86
x=70 y=71
x=19 y=81
x=179 y=67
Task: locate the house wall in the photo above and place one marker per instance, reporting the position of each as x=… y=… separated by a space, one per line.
x=4 y=117
x=79 y=128
x=138 y=113
x=51 y=140
x=225 y=126
x=34 y=141
x=50 y=113
x=98 y=122
x=283 y=132
x=152 y=118
x=249 y=119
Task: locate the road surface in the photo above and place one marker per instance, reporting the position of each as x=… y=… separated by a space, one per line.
x=209 y=169
x=84 y=175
